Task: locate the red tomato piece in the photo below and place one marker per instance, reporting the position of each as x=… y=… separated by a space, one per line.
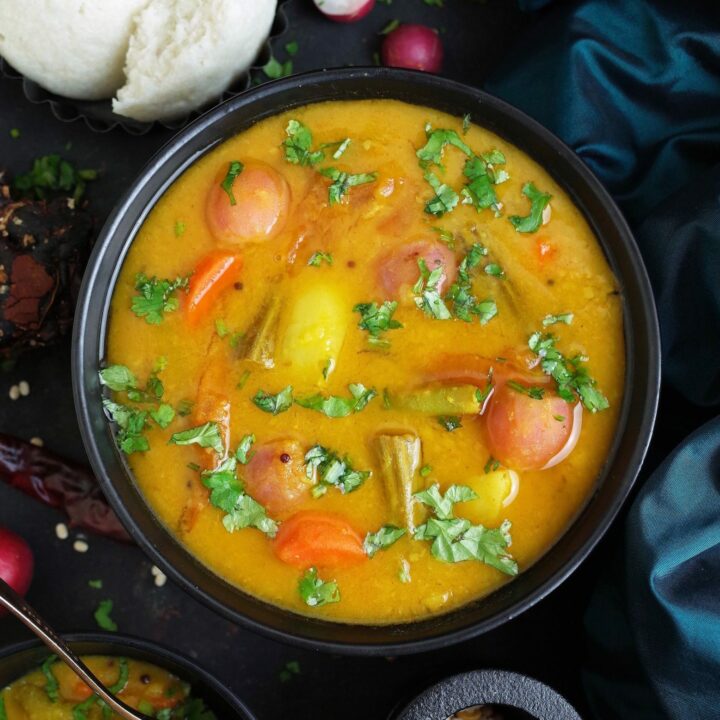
x=529 y=434
x=275 y=476
x=262 y=199
x=399 y=271
x=319 y=539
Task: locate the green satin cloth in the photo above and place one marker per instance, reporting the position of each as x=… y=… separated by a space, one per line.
x=633 y=86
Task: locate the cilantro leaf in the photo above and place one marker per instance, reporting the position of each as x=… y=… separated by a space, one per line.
x=534 y=392
x=132 y=424
x=565 y=318
x=571 y=376
x=445 y=198
x=274 y=404
x=235 y=168
x=118 y=378
x=316 y=592
x=163 y=415
x=432 y=151
x=427 y=296
x=102 y=616
x=298 y=145
x=317 y=258
x=329 y=470
x=242 y=454
x=450 y=422
x=442 y=505
x=51 y=684
x=156 y=297
x=538 y=202
x=464 y=303
x=343 y=181
x=456 y=540
x=377 y=319
x=336 y=407
x=274 y=69
x=52 y=173
x=249 y=513
x=206 y=436
x=386 y=536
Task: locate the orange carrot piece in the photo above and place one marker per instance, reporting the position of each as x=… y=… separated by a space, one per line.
x=313 y=538
x=215 y=274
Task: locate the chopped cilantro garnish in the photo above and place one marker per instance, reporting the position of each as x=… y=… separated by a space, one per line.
x=292 y=47
x=291 y=668
x=571 y=375
x=343 y=181
x=118 y=378
x=102 y=616
x=163 y=415
x=180 y=228
x=337 y=407
x=132 y=423
x=450 y=422
x=221 y=328
x=377 y=319
x=234 y=169
x=466 y=123
x=298 y=145
x=464 y=304
x=491 y=465
x=316 y=592
x=392 y=25
x=559 y=418
x=274 y=404
x=227 y=494
x=427 y=296
x=243 y=379
x=317 y=258
x=386 y=536
x=274 y=69
x=445 y=198
x=14 y=133
x=442 y=504
x=482 y=178
x=455 y=539
x=432 y=151
x=242 y=454
x=445 y=236
x=539 y=201
x=329 y=470
x=206 y=436
x=534 y=392
x=494 y=270
x=156 y=297
x=95 y=584
x=185 y=407
x=565 y=318
x=51 y=684
x=52 y=173
x=425 y=470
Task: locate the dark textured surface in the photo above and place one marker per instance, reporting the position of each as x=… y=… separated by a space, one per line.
x=545 y=642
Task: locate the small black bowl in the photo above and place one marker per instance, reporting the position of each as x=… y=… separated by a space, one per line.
x=17 y=660
x=516 y=697
x=642 y=376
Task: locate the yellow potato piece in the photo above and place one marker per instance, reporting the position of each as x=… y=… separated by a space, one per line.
x=314 y=330
x=492 y=489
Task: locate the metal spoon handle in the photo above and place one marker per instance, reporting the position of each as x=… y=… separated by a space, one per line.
x=27 y=615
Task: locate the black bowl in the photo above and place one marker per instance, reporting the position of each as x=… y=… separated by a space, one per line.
x=519 y=696
x=16 y=660
x=642 y=376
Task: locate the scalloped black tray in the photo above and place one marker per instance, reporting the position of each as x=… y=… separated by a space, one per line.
x=98 y=115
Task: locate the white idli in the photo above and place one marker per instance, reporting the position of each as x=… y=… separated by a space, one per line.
x=184 y=53
x=74 y=48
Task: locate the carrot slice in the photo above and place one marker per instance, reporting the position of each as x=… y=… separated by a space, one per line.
x=215 y=274
x=313 y=538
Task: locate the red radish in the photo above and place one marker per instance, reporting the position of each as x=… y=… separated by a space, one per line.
x=16 y=562
x=345 y=10
x=415 y=47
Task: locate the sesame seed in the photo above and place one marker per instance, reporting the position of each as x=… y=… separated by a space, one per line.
x=80 y=546
x=160 y=578
x=14 y=392
x=61 y=531
x=38 y=442
x=24 y=388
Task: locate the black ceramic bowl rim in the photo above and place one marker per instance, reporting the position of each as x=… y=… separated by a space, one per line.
x=642 y=378
x=488 y=687
x=30 y=653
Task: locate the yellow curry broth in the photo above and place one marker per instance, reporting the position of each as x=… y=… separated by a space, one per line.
x=559 y=268
x=28 y=699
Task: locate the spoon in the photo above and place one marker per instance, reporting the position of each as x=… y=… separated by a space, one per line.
x=27 y=615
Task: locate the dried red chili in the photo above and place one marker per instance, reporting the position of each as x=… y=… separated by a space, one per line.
x=59 y=483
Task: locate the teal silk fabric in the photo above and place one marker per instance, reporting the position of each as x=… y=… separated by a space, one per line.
x=633 y=86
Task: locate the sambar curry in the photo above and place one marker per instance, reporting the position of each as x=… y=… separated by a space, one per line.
x=366 y=361
x=54 y=692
